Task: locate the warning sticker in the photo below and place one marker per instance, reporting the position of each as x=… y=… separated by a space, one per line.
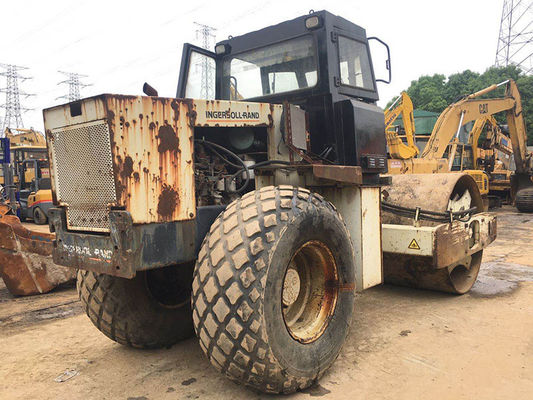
x=414 y=245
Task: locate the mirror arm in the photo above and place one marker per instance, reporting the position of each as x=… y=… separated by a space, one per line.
x=387 y=62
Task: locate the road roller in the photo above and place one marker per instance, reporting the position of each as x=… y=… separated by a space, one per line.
x=441 y=207
x=251 y=208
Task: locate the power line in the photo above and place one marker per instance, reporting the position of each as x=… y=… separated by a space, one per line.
x=207 y=35
x=515 y=41
x=74 y=85
x=13 y=114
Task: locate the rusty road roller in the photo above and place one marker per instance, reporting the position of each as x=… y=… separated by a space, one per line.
x=249 y=209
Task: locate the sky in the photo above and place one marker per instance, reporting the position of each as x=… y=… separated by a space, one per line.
x=121 y=44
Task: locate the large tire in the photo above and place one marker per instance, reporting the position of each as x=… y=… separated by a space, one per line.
x=244 y=314
x=151 y=310
x=524 y=200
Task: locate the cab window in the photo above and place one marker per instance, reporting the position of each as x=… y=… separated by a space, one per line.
x=276 y=68
x=354 y=64
x=201 y=77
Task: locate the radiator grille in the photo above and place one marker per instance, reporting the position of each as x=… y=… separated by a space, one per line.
x=84 y=174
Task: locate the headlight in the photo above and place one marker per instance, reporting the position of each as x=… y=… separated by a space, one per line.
x=222 y=49
x=313 y=22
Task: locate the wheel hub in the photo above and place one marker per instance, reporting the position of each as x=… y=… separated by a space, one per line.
x=310 y=291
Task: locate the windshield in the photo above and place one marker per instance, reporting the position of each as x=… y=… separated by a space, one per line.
x=278 y=68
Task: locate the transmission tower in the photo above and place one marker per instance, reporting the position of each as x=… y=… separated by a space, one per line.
x=74 y=85
x=13 y=115
x=515 y=42
x=208 y=39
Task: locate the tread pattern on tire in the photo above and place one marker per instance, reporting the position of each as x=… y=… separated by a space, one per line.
x=103 y=306
x=95 y=291
x=229 y=279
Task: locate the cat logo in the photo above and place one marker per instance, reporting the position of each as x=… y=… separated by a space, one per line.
x=413 y=245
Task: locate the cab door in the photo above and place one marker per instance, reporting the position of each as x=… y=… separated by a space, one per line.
x=197 y=79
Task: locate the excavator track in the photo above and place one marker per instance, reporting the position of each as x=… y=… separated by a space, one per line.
x=524 y=200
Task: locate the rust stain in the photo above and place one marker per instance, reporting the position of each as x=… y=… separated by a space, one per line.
x=342 y=287
x=110 y=116
x=191 y=113
x=127 y=167
x=168 y=201
x=176 y=107
x=136 y=177
x=270 y=121
x=168 y=140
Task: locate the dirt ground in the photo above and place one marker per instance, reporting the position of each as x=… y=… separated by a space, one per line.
x=404 y=344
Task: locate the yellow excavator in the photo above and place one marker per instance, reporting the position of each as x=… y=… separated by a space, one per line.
x=439 y=153
x=493 y=157
x=471 y=108
x=397 y=148
x=403 y=154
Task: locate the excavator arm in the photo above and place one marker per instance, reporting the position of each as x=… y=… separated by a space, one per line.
x=397 y=148
x=497 y=139
x=517 y=130
x=468 y=109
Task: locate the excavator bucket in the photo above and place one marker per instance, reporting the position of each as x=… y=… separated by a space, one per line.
x=26 y=264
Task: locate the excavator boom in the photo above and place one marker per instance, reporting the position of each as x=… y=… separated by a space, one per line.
x=455 y=116
x=517 y=130
x=472 y=108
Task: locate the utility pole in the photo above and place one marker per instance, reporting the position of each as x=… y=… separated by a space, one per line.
x=74 y=85
x=208 y=40
x=515 y=41
x=13 y=114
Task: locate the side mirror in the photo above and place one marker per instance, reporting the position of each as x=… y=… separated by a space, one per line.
x=387 y=62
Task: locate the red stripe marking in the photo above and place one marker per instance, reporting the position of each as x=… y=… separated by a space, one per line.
x=41 y=201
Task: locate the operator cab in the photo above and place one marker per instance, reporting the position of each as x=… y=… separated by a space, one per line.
x=320 y=62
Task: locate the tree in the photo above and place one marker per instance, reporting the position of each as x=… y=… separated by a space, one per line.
x=435 y=93
x=525 y=85
x=429 y=93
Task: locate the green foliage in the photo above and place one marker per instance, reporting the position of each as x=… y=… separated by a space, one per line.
x=525 y=85
x=435 y=93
